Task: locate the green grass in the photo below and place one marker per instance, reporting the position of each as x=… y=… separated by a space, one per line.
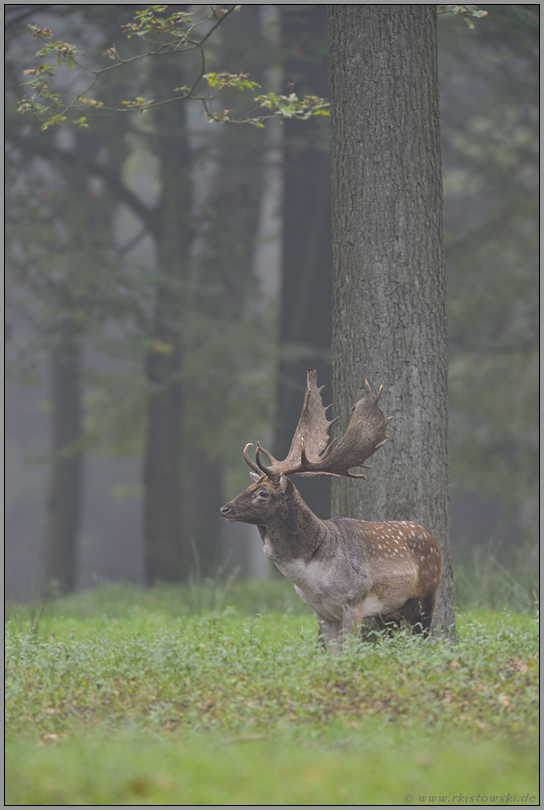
x=364 y=768
x=484 y=580
x=203 y=696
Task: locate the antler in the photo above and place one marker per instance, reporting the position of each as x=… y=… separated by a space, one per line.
x=312 y=453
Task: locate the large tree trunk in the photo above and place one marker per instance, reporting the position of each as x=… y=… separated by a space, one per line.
x=389 y=309
x=306 y=285
x=167 y=552
x=65 y=482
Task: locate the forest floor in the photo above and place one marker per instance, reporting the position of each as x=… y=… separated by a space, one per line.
x=219 y=695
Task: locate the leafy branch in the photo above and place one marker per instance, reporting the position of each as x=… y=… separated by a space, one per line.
x=282 y=107
x=178 y=32
x=463 y=11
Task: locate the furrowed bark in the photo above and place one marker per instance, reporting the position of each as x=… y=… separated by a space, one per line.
x=389 y=306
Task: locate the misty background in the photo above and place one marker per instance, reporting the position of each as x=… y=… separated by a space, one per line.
x=168 y=281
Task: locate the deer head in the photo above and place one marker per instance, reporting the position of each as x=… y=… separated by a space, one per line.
x=262 y=502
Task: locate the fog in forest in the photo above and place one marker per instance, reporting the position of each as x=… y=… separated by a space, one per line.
x=169 y=280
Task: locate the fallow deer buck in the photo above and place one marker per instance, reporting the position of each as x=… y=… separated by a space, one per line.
x=346 y=570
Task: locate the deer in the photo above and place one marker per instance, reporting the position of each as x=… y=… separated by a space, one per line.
x=345 y=570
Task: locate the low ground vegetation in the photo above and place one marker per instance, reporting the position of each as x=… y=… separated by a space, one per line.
x=217 y=694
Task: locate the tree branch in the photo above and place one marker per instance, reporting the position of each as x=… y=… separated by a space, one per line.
x=43 y=148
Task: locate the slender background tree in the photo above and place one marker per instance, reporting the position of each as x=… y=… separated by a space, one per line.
x=490 y=111
x=305 y=319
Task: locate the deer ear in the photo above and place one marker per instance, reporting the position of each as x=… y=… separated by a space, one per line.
x=283 y=483
x=255 y=477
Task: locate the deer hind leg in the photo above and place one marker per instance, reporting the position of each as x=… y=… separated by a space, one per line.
x=419 y=614
x=388 y=624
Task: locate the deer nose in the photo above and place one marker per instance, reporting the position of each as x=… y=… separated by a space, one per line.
x=225 y=509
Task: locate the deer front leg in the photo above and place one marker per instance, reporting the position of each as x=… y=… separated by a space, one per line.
x=352 y=618
x=332 y=634
x=329 y=632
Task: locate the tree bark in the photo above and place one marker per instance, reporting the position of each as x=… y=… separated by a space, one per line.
x=66 y=476
x=389 y=307
x=306 y=284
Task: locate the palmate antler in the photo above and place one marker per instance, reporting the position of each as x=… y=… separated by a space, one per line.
x=312 y=453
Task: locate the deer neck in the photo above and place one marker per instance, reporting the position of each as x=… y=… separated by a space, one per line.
x=295 y=534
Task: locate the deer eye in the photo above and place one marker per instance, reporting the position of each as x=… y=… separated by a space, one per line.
x=263 y=494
